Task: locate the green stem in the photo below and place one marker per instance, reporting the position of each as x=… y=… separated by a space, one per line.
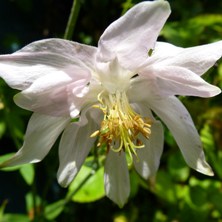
x=69 y=197
x=34 y=206
x=95 y=167
x=72 y=20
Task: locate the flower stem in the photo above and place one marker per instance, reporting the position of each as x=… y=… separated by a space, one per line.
x=72 y=20
x=34 y=204
x=95 y=167
x=69 y=197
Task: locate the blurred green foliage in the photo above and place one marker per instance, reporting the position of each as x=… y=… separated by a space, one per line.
x=177 y=193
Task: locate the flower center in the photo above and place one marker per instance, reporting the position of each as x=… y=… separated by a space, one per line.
x=121 y=126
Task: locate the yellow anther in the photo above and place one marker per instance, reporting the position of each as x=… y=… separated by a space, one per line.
x=96 y=133
x=121 y=125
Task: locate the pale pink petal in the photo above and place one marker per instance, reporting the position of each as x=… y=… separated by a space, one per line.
x=116 y=178
x=174 y=80
x=132 y=36
x=74 y=147
x=55 y=94
x=41 y=134
x=73 y=53
x=178 y=120
x=141 y=88
x=113 y=76
x=148 y=160
x=198 y=59
x=40 y=58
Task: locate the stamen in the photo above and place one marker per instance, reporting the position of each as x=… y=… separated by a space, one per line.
x=96 y=133
x=121 y=125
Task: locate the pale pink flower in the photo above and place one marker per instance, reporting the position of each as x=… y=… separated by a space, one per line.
x=113 y=90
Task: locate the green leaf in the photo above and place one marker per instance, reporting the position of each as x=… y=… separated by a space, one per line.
x=15 y=218
x=2 y=209
x=159 y=216
x=31 y=200
x=192 y=31
x=2 y=127
x=28 y=173
x=26 y=170
x=164 y=187
x=92 y=189
x=216 y=198
x=214 y=154
x=177 y=167
x=6 y=157
x=198 y=196
x=53 y=210
x=134 y=183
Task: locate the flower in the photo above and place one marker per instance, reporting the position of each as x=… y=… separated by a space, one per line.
x=113 y=90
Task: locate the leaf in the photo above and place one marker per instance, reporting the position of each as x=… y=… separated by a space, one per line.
x=134 y=183
x=198 y=197
x=92 y=189
x=216 y=198
x=164 y=187
x=177 y=167
x=6 y=157
x=192 y=31
x=53 y=210
x=15 y=218
x=214 y=155
x=2 y=127
x=28 y=173
x=31 y=200
x=2 y=209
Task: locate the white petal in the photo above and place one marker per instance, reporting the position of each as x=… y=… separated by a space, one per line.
x=198 y=59
x=141 y=88
x=41 y=134
x=40 y=58
x=53 y=94
x=131 y=36
x=74 y=147
x=113 y=77
x=179 y=122
x=116 y=178
x=174 y=80
x=149 y=156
